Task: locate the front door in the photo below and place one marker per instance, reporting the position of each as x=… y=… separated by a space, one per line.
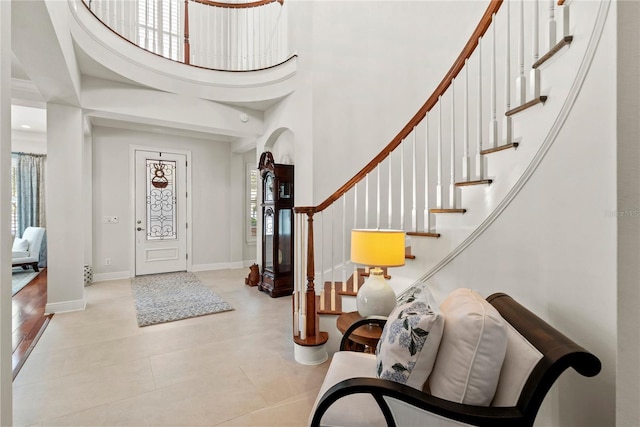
x=160 y=212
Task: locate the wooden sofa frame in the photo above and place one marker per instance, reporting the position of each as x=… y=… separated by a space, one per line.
x=558 y=354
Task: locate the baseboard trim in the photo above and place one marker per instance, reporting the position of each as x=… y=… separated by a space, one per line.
x=66 y=306
x=118 y=275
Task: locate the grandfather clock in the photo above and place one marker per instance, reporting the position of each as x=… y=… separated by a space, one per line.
x=277 y=227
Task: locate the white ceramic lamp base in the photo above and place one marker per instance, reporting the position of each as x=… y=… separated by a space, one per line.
x=375 y=297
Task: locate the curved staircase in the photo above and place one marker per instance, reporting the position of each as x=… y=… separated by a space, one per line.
x=456 y=165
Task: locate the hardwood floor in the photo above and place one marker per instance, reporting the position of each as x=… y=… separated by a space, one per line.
x=29 y=319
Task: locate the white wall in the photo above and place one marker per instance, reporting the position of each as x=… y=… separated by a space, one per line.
x=373 y=65
x=211 y=210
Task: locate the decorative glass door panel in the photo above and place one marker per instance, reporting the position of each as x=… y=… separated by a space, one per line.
x=161 y=200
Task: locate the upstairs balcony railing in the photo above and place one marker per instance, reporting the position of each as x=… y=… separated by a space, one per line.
x=232 y=36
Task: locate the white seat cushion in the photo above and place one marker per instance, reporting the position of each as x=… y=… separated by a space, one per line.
x=471 y=352
x=353 y=410
x=19 y=254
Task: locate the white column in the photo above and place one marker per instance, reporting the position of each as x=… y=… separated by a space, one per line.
x=452 y=184
x=552 y=24
x=65 y=240
x=427 y=214
x=466 y=167
x=414 y=185
x=439 y=159
x=6 y=397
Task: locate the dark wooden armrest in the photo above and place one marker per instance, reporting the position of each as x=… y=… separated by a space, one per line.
x=355 y=325
x=379 y=388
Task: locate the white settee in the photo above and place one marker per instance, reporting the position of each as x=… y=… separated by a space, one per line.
x=26 y=250
x=531 y=355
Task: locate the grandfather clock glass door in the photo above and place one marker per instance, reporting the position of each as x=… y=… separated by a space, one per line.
x=277 y=227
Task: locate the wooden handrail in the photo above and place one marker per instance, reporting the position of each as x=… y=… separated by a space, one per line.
x=238 y=5
x=453 y=72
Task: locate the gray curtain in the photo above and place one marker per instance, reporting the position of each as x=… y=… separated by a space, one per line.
x=29 y=181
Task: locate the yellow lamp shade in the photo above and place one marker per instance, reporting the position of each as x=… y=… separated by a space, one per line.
x=377 y=248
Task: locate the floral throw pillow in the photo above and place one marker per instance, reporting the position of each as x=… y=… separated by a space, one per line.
x=409 y=344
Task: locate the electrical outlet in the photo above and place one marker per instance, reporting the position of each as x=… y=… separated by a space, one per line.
x=107 y=261
x=111 y=219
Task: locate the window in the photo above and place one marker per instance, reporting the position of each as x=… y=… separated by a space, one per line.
x=14 y=196
x=158 y=27
x=252 y=202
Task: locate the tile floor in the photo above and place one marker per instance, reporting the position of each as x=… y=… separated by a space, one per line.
x=98 y=368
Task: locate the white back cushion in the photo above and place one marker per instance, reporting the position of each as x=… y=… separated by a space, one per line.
x=472 y=350
x=20 y=245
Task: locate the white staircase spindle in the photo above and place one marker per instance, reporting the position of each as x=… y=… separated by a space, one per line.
x=507 y=78
x=366 y=201
x=402 y=186
x=427 y=214
x=552 y=24
x=378 y=201
x=479 y=157
x=493 y=124
x=344 y=242
x=332 y=260
x=414 y=187
x=390 y=197
x=322 y=237
x=452 y=184
x=566 y=21
x=535 y=72
x=303 y=299
x=466 y=167
x=521 y=81
x=297 y=269
x=439 y=159
x=355 y=225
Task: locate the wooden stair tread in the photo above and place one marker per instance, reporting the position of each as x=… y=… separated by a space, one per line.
x=470 y=183
x=526 y=105
x=447 y=210
x=566 y=41
x=421 y=234
x=499 y=148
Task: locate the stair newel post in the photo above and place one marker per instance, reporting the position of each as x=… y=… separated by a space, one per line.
x=552 y=25
x=535 y=72
x=310 y=295
x=479 y=157
x=493 y=124
x=452 y=184
x=507 y=78
x=439 y=159
x=466 y=167
x=521 y=81
x=187 y=53
x=427 y=214
x=414 y=187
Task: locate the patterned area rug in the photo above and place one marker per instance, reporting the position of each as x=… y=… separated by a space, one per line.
x=167 y=297
x=21 y=278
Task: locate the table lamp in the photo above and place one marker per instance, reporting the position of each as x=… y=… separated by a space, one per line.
x=376 y=248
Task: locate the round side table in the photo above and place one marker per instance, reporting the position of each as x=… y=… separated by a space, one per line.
x=365 y=338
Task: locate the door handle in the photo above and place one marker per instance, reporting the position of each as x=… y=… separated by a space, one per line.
x=140 y=229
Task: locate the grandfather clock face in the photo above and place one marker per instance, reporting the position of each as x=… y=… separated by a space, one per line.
x=269 y=183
